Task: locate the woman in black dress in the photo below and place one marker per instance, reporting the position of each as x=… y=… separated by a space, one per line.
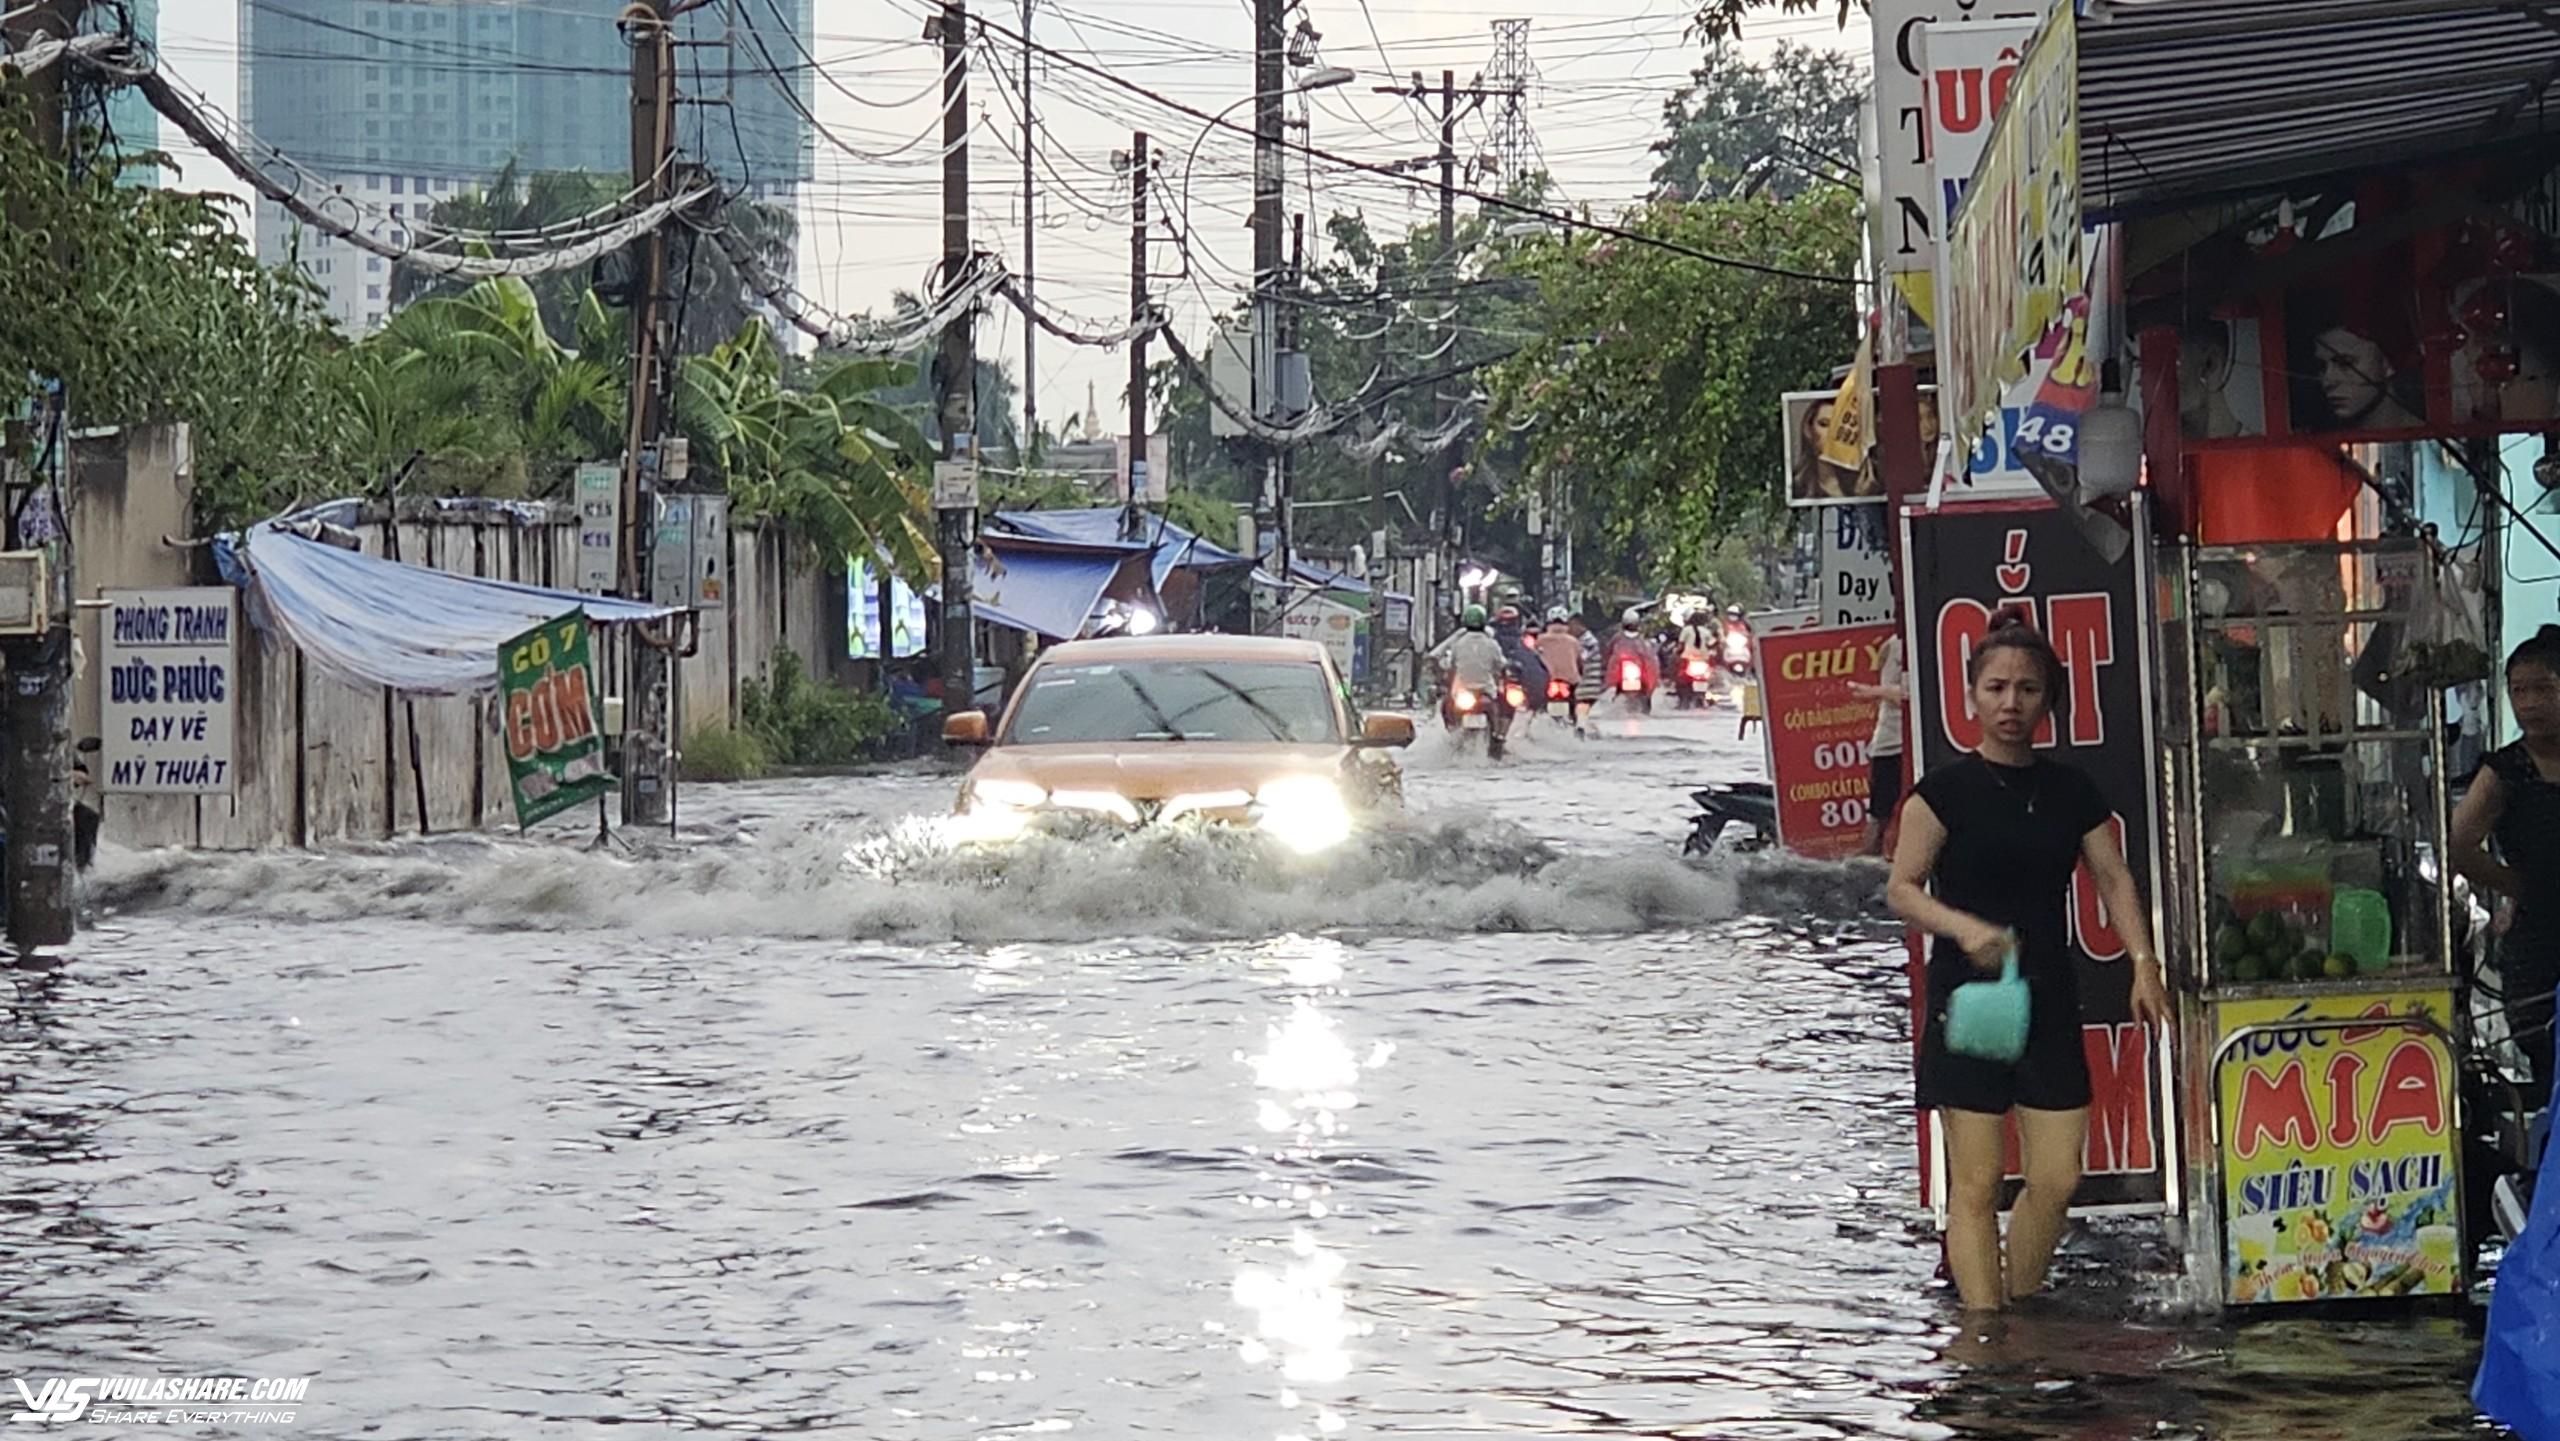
x=2515 y=800
x=1997 y=835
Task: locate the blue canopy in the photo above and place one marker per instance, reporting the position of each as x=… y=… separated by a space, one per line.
x=1314 y=575
x=1176 y=548
x=1044 y=587
x=419 y=631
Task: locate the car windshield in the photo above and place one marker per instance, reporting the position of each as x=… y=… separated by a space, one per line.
x=1176 y=700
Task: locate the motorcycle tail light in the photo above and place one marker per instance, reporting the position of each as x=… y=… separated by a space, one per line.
x=1516 y=696
x=1630 y=676
x=1558 y=690
x=1697 y=670
x=1465 y=698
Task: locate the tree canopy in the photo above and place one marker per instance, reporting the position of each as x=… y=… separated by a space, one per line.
x=1774 y=129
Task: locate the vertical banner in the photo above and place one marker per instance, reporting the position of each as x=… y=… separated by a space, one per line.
x=168 y=693
x=547 y=713
x=2339 y=1152
x=1967 y=563
x=1818 y=731
x=1857 y=570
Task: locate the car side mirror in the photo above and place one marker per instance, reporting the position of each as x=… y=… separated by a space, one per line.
x=1381 y=731
x=965 y=728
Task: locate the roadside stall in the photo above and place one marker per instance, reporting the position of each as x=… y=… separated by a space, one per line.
x=2227 y=326
x=2307 y=925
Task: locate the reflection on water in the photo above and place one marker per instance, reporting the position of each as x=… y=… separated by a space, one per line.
x=1559 y=1138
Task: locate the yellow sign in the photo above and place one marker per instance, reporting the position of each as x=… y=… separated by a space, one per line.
x=2014 y=258
x=1844 y=440
x=2339 y=1153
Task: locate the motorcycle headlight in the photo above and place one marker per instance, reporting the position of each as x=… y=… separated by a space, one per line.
x=1304 y=813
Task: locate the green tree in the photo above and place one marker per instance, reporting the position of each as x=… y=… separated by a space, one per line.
x=836 y=460
x=1653 y=383
x=149 y=307
x=1774 y=129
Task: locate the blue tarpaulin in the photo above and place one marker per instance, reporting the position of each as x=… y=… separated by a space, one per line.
x=1176 y=548
x=2519 y=1381
x=418 y=631
x=1046 y=589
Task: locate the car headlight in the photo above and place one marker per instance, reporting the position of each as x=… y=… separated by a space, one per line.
x=1001 y=794
x=1304 y=813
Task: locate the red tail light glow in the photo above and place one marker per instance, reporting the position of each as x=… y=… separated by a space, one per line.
x=1698 y=668
x=1517 y=696
x=1465 y=698
x=1630 y=676
x=1559 y=690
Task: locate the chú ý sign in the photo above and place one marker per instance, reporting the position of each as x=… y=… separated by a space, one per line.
x=547 y=713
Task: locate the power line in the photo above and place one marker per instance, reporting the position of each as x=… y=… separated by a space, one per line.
x=1482 y=198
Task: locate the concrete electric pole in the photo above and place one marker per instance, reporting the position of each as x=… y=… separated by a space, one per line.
x=37 y=754
x=955 y=370
x=1270 y=172
x=648 y=746
x=1139 y=476
x=1029 y=278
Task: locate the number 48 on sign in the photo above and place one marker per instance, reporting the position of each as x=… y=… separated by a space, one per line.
x=547 y=713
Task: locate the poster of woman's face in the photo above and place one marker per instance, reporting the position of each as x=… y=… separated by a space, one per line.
x=1811 y=480
x=2350 y=373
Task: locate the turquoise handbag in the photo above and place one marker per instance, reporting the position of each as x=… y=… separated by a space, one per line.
x=1987 y=1020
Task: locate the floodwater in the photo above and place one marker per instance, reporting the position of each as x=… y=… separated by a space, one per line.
x=1506 y=1123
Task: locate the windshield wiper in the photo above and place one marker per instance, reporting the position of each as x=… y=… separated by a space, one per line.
x=1155 y=711
x=1274 y=722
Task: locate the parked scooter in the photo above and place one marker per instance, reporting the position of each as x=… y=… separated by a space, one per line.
x=1745 y=803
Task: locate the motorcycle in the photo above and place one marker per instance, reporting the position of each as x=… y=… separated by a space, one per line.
x=1690 y=682
x=1629 y=683
x=1469 y=713
x=1720 y=807
x=1560 y=698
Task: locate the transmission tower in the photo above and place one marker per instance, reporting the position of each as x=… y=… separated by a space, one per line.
x=1510 y=76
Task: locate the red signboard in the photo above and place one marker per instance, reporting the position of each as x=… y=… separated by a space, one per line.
x=1818 y=731
x=1966 y=564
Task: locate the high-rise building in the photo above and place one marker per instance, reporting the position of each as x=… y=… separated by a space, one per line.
x=403 y=103
x=134 y=125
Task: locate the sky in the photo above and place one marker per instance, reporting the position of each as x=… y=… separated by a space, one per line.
x=870 y=222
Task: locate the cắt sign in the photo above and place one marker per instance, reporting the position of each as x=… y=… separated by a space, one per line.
x=1963 y=565
x=1817 y=731
x=547 y=716
x=167 y=694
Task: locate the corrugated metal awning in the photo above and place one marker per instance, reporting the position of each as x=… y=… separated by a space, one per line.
x=2187 y=101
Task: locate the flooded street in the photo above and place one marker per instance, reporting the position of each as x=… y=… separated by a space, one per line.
x=1506 y=1123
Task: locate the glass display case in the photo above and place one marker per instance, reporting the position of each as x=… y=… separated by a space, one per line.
x=2306 y=770
x=2305 y=916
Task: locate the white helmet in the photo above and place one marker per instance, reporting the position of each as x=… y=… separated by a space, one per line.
x=1632 y=618
x=1555 y=612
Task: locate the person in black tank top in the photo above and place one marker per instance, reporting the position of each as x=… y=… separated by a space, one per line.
x=2515 y=800
x=1987 y=851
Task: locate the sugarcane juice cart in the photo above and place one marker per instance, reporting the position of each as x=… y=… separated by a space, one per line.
x=2306 y=911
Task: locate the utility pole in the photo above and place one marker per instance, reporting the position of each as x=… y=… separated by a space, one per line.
x=1139 y=476
x=1030 y=265
x=647 y=745
x=36 y=788
x=1447 y=270
x=956 y=369
x=1270 y=170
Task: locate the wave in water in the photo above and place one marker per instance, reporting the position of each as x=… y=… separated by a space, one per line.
x=909 y=882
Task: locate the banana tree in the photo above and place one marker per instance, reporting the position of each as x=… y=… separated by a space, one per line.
x=834 y=460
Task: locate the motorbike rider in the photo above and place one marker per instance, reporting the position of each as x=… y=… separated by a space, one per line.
x=1699 y=642
x=1470 y=658
x=1525 y=657
x=1563 y=651
x=1630 y=646
x=1587 y=689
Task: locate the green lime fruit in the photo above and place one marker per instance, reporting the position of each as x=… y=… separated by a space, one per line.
x=2309 y=965
x=2339 y=966
x=2246 y=967
x=2266 y=928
